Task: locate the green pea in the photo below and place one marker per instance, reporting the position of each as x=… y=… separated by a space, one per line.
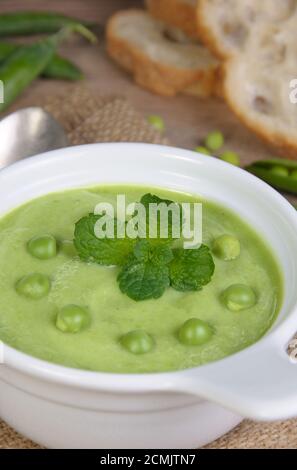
x=157 y=122
x=42 y=247
x=230 y=157
x=239 y=297
x=33 y=286
x=293 y=174
x=195 y=332
x=137 y=342
x=203 y=150
x=72 y=319
x=214 y=141
x=226 y=247
x=279 y=171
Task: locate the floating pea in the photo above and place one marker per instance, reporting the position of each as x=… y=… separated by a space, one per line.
x=72 y=319
x=137 y=342
x=42 y=247
x=226 y=247
x=195 y=332
x=239 y=297
x=214 y=141
x=33 y=286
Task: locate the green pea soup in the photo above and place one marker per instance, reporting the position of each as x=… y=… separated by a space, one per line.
x=29 y=325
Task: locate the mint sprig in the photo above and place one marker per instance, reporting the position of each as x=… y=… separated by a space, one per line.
x=146 y=273
x=105 y=251
x=149 y=266
x=190 y=270
x=174 y=224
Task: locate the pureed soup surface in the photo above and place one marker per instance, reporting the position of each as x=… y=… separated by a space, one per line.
x=29 y=325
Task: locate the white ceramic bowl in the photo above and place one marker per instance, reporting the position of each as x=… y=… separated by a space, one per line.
x=66 y=408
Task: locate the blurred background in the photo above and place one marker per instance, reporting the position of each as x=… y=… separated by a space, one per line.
x=187 y=118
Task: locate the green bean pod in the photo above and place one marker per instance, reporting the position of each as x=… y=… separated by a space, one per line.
x=28 y=62
x=59 y=67
x=279 y=173
x=32 y=22
x=23 y=66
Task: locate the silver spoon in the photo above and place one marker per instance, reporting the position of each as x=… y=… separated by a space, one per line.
x=28 y=132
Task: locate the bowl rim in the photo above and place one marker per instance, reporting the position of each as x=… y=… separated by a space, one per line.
x=145 y=382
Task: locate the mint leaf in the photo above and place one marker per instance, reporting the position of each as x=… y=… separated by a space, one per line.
x=142 y=250
x=146 y=274
x=158 y=254
x=161 y=254
x=149 y=198
x=154 y=230
x=105 y=251
x=190 y=270
x=143 y=280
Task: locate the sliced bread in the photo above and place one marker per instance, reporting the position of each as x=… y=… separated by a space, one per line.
x=144 y=47
x=227 y=25
x=256 y=85
x=178 y=13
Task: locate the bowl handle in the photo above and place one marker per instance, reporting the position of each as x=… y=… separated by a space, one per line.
x=258 y=383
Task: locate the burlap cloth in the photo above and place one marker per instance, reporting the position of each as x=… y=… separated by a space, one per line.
x=95 y=119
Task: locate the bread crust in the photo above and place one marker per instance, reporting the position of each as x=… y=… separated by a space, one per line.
x=177 y=13
x=285 y=145
x=159 y=78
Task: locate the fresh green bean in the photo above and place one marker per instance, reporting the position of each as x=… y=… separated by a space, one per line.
x=157 y=122
x=279 y=170
x=214 y=141
x=279 y=173
x=201 y=149
x=230 y=157
x=28 y=62
x=59 y=67
x=293 y=174
x=33 y=22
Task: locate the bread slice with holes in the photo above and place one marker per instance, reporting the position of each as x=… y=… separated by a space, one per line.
x=146 y=48
x=180 y=14
x=257 y=82
x=227 y=25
